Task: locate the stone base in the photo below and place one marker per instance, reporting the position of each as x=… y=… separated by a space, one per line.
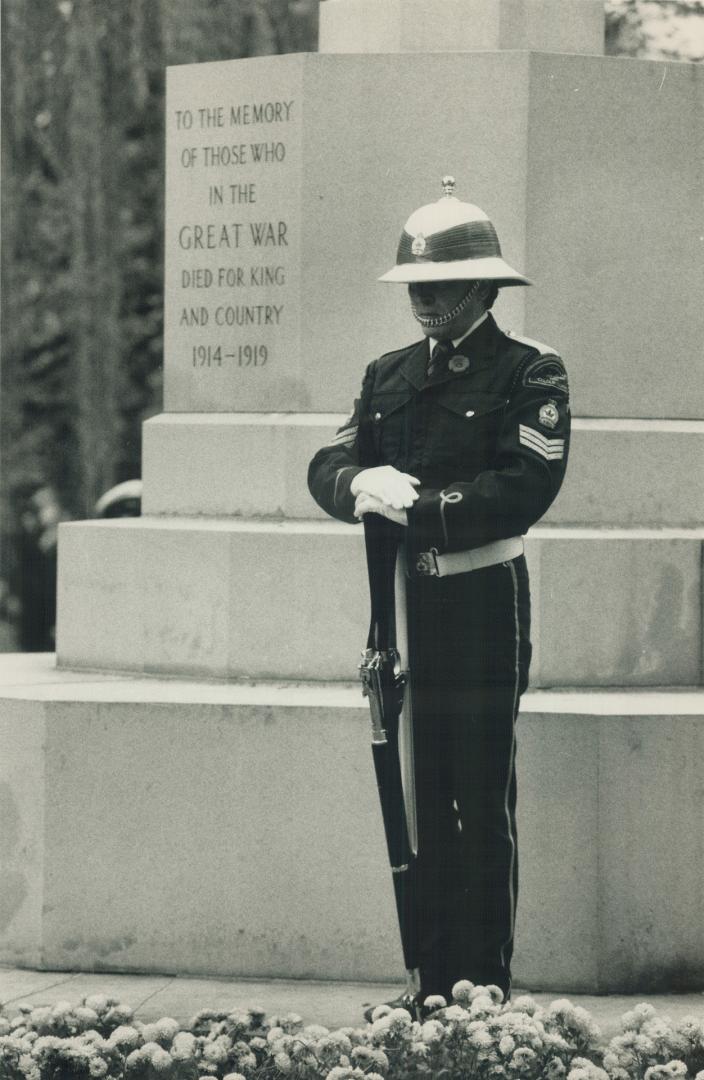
x=184 y=827
x=230 y=598
x=256 y=465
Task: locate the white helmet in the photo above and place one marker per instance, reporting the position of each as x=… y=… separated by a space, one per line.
x=449 y=240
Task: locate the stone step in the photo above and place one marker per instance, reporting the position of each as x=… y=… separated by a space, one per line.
x=256 y=465
x=261 y=599
x=233 y=829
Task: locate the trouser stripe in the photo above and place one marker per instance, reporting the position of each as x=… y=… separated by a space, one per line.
x=509 y=777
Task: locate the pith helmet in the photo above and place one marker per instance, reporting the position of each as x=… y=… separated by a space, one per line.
x=449 y=240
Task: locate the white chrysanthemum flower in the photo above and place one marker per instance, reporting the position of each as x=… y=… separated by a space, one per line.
x=526 y=1004
x=555 y=1069
x=86 y=1017
x=676 y=1068
x=46 y=1043
x=380 y=1058
x=124 y=1036
x=335 y=1040
x=583 y=1069
x=234 y=1076
x=435 y=1001
x=61 y=1008
x=462 y=991
x=635 y=1018
x=217 y=1050
x=339 y=1072
x=283 y=1062
x=274 y=1034
x=240 y=1017
x=183 y=1046
x=362 y=1055
x=134 y=1060
x=94 y=1038
x=257 y=1043
x=419 y=1049
x=481 y=1039
x=166 y=1028
x=161 y=1060
x=691 y=1027
x=314 y=1031
x=119 y=1014
x=507 y=1045
x=97 y=1068
x=523 y=1057
x=455 y=1013
x=481 y=1004
x=556 y=1042
x=380 y=1011
x=29 y=1068
x=148 y=1048
x=98 y=1002
x=432 y=1031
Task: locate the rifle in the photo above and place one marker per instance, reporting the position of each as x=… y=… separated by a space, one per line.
x=385 y=684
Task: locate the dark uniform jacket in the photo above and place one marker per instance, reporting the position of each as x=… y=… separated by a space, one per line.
x=487 y=437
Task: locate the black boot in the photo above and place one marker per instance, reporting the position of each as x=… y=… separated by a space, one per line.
x=412 y=1003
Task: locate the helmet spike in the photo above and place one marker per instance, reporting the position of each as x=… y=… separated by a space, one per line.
x=448 y=186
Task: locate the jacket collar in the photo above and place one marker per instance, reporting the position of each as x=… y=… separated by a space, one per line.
x=479 y=348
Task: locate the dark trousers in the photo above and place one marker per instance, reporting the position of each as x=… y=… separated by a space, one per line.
x=469 y=651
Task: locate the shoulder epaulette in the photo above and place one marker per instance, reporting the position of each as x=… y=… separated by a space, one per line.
x=544 y=350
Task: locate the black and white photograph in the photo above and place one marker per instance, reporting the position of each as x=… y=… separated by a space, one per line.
x=351 y=529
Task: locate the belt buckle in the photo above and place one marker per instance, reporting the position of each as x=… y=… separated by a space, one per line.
x=427 y=563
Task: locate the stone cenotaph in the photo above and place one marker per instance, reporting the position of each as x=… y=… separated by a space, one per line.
x=191 y=789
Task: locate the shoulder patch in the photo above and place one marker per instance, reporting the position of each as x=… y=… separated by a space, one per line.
x=544 y=350
x=547 y=373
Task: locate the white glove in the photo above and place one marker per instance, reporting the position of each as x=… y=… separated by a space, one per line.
x=386 y=484
x=367 y=504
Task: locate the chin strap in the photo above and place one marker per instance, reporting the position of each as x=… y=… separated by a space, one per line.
x=431 y=322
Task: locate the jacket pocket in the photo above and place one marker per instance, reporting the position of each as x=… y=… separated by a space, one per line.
x=464 y=429
x=388 y=418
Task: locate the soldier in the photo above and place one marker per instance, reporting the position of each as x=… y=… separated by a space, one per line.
x=460 y=439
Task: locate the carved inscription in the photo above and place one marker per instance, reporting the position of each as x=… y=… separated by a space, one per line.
x=231 y=240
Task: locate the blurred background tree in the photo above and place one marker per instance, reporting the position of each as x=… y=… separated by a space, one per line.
x=655 y=29
x=82 y=145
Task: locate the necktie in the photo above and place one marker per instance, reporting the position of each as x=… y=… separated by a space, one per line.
x=441 y=353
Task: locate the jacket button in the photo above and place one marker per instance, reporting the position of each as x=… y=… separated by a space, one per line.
x=470 y=412
x=377 y=416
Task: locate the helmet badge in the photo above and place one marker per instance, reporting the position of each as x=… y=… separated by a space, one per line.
x=418 y=246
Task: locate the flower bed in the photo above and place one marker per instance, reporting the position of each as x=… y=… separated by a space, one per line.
x=475 y=1036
